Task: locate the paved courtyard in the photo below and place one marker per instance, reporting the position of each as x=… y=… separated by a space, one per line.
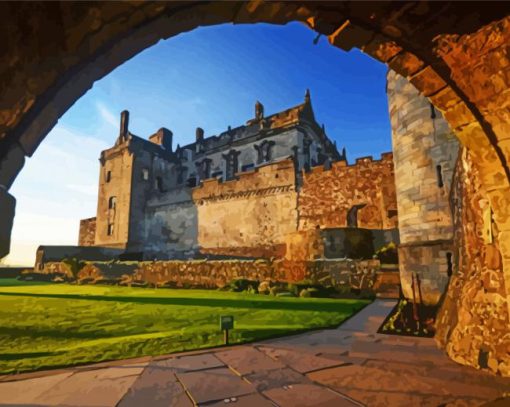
x=349 y=366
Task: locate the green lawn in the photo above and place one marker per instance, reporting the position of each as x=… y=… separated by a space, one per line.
x=50 y=325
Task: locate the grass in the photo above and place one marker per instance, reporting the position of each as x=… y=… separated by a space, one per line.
x=46 y=325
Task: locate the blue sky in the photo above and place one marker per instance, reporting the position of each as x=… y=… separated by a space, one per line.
x=210 y=78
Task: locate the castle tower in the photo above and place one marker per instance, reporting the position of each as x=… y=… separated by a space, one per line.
x=424 y=153
x=114 y=197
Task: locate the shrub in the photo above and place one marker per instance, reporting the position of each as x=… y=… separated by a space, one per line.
x=31 y=276
x=276 y=290
x=318 y=289
x=264 y=287
x=387 y=254
x=74 y=265
x=305 y=293
x=107 y=281
x=86 y=280
x=285 y=294
x=243 y=284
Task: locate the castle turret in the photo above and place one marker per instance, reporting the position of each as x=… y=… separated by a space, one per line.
x=424 y=150
x=307 y=96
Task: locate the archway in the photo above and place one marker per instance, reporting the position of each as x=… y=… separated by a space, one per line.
x=454 y=55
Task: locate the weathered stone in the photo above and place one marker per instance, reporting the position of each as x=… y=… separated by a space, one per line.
x=7 y=209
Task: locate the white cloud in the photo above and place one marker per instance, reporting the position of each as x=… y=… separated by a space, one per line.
x=57 y=188
x=107 y=115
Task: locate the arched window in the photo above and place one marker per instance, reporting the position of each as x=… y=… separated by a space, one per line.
x=112 y=202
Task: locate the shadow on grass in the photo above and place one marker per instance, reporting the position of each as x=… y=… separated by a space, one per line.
x=336 y=306
x=12 y=282
x=17 y=356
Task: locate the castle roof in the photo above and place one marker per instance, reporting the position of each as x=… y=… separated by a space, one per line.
x=260 y=127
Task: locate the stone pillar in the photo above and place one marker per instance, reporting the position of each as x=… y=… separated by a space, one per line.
x=425 y=151
x=10 y=166
x=7 y=210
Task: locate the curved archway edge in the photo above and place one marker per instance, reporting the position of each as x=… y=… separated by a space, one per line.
x=454 y=54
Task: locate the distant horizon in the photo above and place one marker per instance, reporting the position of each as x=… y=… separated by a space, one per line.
x=209 y=78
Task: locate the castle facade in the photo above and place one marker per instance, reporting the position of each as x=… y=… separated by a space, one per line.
x=254 y=190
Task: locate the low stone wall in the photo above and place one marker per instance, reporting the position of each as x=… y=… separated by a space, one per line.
x=339 y=273
x=206 y=273
x=359 y=274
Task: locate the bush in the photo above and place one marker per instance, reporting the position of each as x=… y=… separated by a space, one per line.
x=31 y=276
x=264 y=287
x=305 y=293
x=275 y=290
x=86 y=280
x=285 y=294
x=318 y=289
x=387 y=254
x=243 y=284
x=75 y=265
x=107 y=281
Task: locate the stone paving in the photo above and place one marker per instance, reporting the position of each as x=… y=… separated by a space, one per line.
x=349 y=366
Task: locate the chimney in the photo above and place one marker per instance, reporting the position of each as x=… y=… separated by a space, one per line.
x=163 y=137
x=124 y=124
x=199 y=135
x=259 y=111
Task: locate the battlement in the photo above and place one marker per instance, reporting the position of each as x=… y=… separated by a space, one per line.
x=263 y=178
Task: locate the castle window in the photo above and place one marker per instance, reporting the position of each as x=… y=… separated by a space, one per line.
x=432 y=111
x=247 y=167
x=487 y=232
x=110 y=229
x=231 y=163
x=306 y=151
x=264 y=153
x=159 y=184
x=449 y=264
x=392 y=213
x=204 y=168
x=192 y=182
x=145 y=174
x=108 y=176
x=181 y=171
x=439 y=172
x=112 y=202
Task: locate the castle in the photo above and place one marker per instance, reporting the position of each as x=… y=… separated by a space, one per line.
x=275 y=187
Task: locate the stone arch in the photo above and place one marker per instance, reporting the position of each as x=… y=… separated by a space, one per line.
x=456 y=54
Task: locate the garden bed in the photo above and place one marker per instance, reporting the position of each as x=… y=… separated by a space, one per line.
x=410 y=319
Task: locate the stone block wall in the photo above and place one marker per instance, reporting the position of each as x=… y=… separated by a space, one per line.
x=473 y=323
x=326 y=196
x=250 y=215
x=425 y=151
x=358 y=274
x=87 y=232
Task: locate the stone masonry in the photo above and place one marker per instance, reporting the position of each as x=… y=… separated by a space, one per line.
x=258 y=190
x=424 y=151
x=473 y=323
